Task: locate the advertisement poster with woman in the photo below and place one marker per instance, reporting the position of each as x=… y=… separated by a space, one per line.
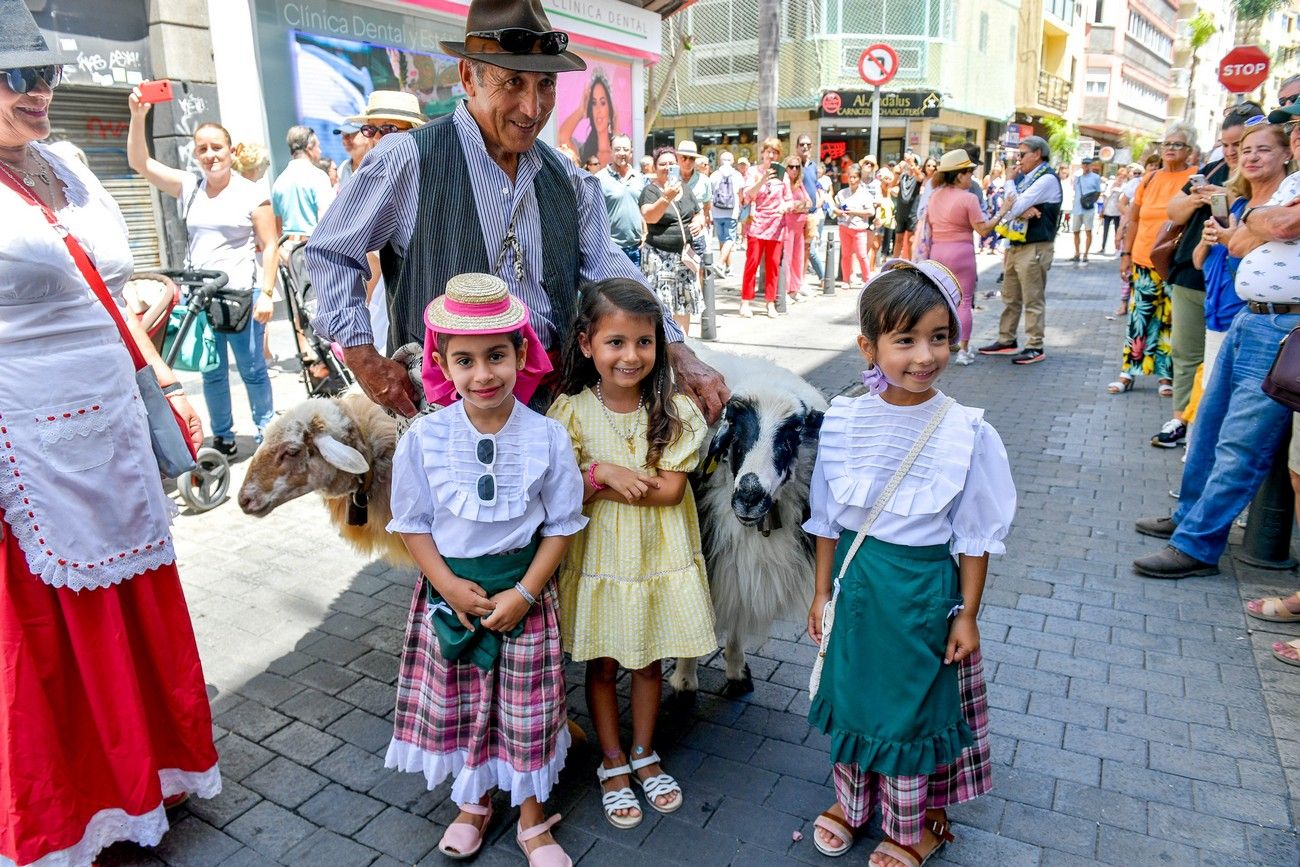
x=594 y=106
x=334 y=77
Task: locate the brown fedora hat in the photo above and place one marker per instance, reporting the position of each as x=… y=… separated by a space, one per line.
x=483 y=38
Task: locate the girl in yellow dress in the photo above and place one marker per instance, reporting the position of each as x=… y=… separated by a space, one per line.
x=633 y=589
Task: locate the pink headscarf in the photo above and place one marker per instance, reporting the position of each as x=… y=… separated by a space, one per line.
x=479 y=304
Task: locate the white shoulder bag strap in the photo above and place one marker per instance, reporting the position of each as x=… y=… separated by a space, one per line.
x=828 y=613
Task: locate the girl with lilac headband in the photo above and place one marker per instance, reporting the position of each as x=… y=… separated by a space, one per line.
x=921 y=486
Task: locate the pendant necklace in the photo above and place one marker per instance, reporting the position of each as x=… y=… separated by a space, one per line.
x=29 y=178
x=609 y=417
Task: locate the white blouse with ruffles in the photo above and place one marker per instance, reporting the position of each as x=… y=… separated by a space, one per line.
x=436 y=473
x=959 y=492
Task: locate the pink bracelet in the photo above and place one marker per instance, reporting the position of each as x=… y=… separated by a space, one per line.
x=591 y=476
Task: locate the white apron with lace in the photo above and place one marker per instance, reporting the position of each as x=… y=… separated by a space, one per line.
x=79 y=485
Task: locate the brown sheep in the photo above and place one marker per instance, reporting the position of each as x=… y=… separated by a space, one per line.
x=339 y=447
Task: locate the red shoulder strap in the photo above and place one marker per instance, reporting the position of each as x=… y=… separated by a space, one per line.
x=81 y=258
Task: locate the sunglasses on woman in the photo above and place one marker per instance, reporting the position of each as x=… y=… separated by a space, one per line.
x=23 y=79
x=520 y=40
x=371 y=130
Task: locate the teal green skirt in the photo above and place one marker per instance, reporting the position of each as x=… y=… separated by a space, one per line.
x=887 y=700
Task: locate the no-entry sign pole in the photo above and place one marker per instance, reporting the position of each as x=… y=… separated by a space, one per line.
x=878 y=65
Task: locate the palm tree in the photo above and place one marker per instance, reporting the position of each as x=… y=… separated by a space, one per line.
x=1253 y=12
x=1201 y=29
x=1062 y=137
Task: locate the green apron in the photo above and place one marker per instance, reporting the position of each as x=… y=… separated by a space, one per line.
x=494 y=573
x=886 y=698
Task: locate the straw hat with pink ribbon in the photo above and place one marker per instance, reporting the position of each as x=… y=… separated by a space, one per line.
x=479 y=304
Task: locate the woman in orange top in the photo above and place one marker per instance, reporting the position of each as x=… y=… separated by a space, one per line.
x=1150 y=309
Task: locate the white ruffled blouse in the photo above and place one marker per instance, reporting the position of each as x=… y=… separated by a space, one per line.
x=435 y=483
x=959 y=492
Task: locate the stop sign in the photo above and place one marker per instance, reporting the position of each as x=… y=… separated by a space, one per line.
x=1243 y=69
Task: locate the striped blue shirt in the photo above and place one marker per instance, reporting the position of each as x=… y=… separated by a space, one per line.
x=378 y=207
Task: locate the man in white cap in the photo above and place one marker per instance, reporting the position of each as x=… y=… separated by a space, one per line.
x=412 y=196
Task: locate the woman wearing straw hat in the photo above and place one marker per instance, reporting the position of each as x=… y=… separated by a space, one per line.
x=104 y=715
x=953 y=212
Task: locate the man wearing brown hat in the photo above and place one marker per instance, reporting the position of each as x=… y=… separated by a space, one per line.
x=411 y=197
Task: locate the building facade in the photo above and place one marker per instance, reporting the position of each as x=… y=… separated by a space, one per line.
x=1197 y=96
x=1048 y=50
x=1128 y=77
x=955 y=81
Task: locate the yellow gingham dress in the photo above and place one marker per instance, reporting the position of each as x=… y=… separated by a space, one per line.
x=633 y=585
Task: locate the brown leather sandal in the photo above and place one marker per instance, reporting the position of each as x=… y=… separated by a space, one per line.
x=908 y=855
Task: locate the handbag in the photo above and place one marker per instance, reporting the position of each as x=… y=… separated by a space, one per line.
x=828 y=613
x=230 y=310
x=690 y=258
x=198 y=350
x=1282 y=383
x=168 y=432
x=1166 y=244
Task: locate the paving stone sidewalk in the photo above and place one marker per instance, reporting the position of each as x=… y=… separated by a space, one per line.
x=1134 y=722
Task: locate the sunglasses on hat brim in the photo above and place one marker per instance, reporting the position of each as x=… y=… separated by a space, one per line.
x=520 y=40
x=23 y=79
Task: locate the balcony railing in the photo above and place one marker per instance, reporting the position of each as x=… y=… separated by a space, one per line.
x=1053 y=91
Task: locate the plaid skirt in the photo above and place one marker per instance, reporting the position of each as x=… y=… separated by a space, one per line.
x=499 y=729
x=904 y=800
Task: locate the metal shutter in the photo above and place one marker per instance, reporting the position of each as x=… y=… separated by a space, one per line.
x=95 y=119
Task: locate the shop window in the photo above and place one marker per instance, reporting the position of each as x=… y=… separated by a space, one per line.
x=944 y=138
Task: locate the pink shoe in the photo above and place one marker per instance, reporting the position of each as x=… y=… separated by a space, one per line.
x=462 y=840
x=550 y=855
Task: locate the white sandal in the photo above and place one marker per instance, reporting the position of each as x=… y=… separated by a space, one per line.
x=658 y=786
x=619 y=799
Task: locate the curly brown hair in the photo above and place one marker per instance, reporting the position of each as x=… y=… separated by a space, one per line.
x=598 y=299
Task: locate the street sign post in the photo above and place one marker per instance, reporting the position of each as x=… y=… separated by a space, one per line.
x=1243 y=69
x=878 y=65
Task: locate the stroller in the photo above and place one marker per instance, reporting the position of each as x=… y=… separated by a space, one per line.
x=153 y=297
x=323 y=371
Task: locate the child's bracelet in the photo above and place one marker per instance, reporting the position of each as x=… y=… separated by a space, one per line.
x=591 y=476
x=523 y=591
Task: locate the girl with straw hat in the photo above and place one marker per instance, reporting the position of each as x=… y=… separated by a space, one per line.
x=486 y=495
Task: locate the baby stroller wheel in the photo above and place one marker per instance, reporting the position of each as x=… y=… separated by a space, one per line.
x=205 y=487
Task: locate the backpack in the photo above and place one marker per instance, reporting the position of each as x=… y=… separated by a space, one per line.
x=724 y=192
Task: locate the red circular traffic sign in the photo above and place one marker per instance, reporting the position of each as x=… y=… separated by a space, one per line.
x=878 y=64
x=1243 y=69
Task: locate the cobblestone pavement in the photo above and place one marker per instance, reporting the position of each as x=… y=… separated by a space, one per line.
x=1134 y=722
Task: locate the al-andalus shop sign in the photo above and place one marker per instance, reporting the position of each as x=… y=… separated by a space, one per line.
x=856 y=104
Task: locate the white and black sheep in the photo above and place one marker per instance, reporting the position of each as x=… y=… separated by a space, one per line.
x=751 y=507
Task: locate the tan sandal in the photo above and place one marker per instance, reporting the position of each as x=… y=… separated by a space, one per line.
x=908 y=855
x=1273 y=609
x=837 y=828
x=1294 y=644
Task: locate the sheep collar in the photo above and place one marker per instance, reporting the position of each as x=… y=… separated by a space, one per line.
x=359 y=500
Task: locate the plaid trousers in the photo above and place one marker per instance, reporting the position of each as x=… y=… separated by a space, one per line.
x=904 y=800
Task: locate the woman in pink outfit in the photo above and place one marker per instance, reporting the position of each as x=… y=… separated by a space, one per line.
x=767 y=191
x=855 y=209
x=794 y=228
x=953 y=213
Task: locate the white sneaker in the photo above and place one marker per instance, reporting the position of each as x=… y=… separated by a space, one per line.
x=807 y=292
x=964 y=357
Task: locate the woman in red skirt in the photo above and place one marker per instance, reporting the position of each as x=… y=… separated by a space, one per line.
x=103 y=710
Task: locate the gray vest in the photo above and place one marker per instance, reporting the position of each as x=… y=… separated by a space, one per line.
x=446 y=243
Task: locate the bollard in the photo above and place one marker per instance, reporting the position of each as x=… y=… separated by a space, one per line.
x=1267 y=544
x=708 y=317
x=832 y=261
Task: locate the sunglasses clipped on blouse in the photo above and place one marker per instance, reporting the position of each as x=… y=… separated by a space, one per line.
x=486 y=486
